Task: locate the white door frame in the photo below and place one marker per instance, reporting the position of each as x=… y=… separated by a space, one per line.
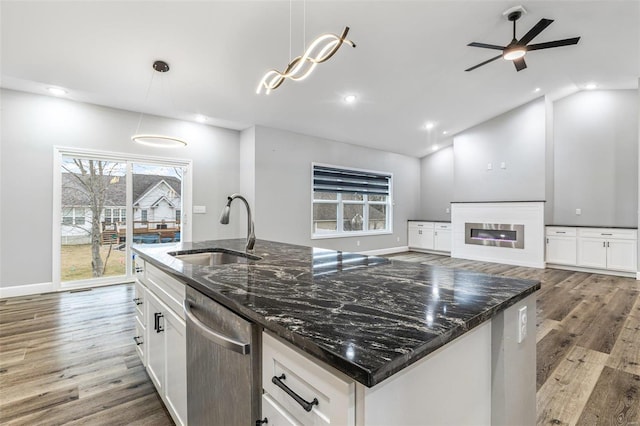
x=128 y=159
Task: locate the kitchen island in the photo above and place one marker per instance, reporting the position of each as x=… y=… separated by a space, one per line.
x=413 y=340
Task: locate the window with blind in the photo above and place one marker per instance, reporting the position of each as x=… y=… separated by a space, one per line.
x=350 y=201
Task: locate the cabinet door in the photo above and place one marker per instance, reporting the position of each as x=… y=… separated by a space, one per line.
x=442 y=241
x=561 y=250
x=427 y=239
x=176 y=372
x=622 y=255
x=156 y=359
x=592 y=253
x=413 y=237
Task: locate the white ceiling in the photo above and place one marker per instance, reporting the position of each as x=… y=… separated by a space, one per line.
x=407 y=69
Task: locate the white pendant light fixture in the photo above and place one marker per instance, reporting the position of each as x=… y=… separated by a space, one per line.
x=156 y=140
x=320 y=50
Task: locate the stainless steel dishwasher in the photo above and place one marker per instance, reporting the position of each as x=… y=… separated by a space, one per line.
x=223 y=364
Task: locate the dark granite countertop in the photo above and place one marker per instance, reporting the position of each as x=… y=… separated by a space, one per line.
x=366 y=316
x=592 y=226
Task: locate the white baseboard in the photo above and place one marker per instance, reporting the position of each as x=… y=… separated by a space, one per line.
x=594 y=270
x=25 y=290
x=380 y=252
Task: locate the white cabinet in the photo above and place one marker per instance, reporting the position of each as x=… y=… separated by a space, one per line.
x=613 y=249
x=327 y=395
x=561 y=245
x=608 y=249
x=429 y=236
x=442 y=237
x=164 y=339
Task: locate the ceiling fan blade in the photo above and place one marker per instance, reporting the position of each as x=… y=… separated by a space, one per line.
x=520 y=64
x=483 y=63
x=533 y=32
x=556 y=43
x=486 y=46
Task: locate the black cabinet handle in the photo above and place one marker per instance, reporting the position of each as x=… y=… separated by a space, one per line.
x=561 y=232
x=138 y=342
x=262 y=422
x=602 y=233
x=156 y=322
x=278 y=381
x=139 y=269
x=137 y=301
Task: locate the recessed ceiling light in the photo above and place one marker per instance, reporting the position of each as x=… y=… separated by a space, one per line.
x=435 y=147
x=591 y=86
x=350 y=99
x=57 y=91
x=444 y=132
x=429 y=126
x=537 y=89
x=201 y=118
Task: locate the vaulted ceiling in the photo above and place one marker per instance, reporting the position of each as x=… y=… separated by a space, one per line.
x=407 y=69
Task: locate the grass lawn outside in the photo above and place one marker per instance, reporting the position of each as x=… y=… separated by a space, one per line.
x=76 y=262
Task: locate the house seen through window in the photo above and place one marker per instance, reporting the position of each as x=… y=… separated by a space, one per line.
x=350 y=201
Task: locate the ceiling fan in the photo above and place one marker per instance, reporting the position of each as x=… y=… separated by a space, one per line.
x=516 y=49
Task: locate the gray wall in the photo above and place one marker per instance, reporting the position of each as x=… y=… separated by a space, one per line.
x=33 y=124
x=436 y=183
x=596 y=158
x=283 y=187
x=516 y=138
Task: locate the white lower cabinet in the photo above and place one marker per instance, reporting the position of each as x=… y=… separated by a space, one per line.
x=607 y=249
x=561 y=245
x=612 y=249
x=429 y=236
x=298 y=391
x=164 y=340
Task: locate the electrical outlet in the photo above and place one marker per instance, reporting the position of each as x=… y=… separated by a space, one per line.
x=503 y=165
x=522 y=324
x=489 y=166
x=358 y=243
x=398 y=239
x=578 y=212
x=447 y=210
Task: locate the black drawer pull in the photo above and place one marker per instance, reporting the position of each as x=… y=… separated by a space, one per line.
x=561 y=232
x=305 y=404
x=139 y=269
x=137 y=301
x=605 y=234
x=138 y=342
x=156 y=322
x=262 y=422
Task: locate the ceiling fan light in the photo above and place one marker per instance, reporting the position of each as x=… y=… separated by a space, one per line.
x=513 y=53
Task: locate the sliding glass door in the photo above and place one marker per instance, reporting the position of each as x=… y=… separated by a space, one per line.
x=104 y=202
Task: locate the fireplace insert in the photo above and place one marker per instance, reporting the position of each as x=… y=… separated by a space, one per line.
x=494 y=234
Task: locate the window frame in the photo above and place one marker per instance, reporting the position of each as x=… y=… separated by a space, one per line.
x=340 y=203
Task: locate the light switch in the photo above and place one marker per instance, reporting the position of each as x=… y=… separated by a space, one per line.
x=578 y=212
x=199 y=209
x=503 y=165
x=489 y=166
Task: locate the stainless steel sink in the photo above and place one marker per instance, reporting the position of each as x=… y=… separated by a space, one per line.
x=213 y=257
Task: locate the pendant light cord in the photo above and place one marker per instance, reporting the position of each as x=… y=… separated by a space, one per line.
x=146 y=98
x=290 y=1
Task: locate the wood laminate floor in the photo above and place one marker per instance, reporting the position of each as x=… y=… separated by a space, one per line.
x=588 y=342
x=69 y=358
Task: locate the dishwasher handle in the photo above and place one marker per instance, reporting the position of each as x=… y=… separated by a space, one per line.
x=215 y=337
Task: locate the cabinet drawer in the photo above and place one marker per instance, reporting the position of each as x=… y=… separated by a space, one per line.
x=166 y=288
x=421 y=225
x=608 y=233
x=275 y=414
x=139 y=340
x=561 y=231
x=335 y=395
x=139 y=301
x=443 y=226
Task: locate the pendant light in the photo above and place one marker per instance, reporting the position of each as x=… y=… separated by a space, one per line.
x=320 y=50
x=156 y=140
